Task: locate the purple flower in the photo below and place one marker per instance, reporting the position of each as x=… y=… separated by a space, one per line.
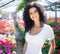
x=7 y=32
x=8 y=47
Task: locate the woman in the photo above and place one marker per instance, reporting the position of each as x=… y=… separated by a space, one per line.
x=37 y=31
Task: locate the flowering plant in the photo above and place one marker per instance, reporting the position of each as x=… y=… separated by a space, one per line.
x=7 y=44
x=7 y=37
x=4 y=47
x=57 y=38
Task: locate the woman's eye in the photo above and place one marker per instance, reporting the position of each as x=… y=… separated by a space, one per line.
x=30 y=13
x=35 y=11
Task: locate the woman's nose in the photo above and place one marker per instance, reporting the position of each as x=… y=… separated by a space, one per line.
x=33 y=14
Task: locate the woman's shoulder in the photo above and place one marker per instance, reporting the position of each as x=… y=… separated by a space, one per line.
x=48 y=27
x=27 y=33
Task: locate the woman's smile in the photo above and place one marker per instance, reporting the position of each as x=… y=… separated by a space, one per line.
x=34 y=15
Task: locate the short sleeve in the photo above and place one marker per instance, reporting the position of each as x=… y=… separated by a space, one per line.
x=50 y=33
x=26 y=35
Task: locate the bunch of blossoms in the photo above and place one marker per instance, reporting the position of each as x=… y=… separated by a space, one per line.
x=4 y=47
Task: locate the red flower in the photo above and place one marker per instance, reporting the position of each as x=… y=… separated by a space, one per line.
x=49 y=19
x=57 y=34
x=58 y=52
x=13 y=46
x=10 y=42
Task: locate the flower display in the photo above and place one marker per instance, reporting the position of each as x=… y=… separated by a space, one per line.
x=7 y=37
x=57 y=37
x=7 y=46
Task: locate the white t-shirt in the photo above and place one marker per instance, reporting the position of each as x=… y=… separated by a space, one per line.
x=36 y=42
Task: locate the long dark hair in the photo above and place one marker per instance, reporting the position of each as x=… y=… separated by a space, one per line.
x=28 y=22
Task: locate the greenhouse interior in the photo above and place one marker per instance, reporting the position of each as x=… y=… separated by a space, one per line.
x=12 y=31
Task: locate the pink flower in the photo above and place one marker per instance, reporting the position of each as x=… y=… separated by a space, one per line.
x=43 y=46
x=1 y=42
x=14 y=52
x=56 y=46
x=1 y=51
x=8 y=53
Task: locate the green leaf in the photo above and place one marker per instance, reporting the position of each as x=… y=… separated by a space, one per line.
x=51 y=23
x=4 y=48
x=21 y=5
x=57 y=31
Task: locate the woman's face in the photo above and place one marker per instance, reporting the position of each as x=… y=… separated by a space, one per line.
x=33 y=13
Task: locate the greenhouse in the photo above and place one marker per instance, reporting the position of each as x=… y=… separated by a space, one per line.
x=12 y=28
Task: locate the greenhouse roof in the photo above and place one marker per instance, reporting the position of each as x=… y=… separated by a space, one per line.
x=7 y=3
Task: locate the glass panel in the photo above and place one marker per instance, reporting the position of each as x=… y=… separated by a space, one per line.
x=58 y=17
x=2 y=2
x=53 y=7
x=58 y=7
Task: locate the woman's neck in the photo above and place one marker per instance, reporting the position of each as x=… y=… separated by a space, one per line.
x=37 y=24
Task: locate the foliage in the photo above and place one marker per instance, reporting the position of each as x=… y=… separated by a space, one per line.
x=22 y=4
x=22 y=30
x=46 y=48
x=57 y=39
x=57 y=31
x=51 y=23
x=0 y=11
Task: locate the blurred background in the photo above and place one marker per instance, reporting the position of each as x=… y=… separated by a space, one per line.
x=7 y=29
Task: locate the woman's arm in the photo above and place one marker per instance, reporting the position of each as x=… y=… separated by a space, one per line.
x=52 y=47
x=24 y=48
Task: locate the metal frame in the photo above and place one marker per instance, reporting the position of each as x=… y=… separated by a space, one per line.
x=55 y=21
x=6 y=3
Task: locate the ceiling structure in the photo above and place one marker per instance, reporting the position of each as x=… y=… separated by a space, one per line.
x=7 y=3
x=12 y=4
x=4 y=3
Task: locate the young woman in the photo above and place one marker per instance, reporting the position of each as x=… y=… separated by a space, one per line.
x=37 y=31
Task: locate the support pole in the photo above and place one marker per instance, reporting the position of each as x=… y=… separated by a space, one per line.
x=18 y=36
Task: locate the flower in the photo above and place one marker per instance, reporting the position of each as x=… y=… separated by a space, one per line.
x=6 y=46
x=57 y=34
x=58 y=52
x=1 y=42
x=43 y=46
x=56 y=46
x=1 y=51
x=7 y=32
x=13 y=52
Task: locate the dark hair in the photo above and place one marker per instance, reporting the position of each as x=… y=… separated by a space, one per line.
x=28 y=22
